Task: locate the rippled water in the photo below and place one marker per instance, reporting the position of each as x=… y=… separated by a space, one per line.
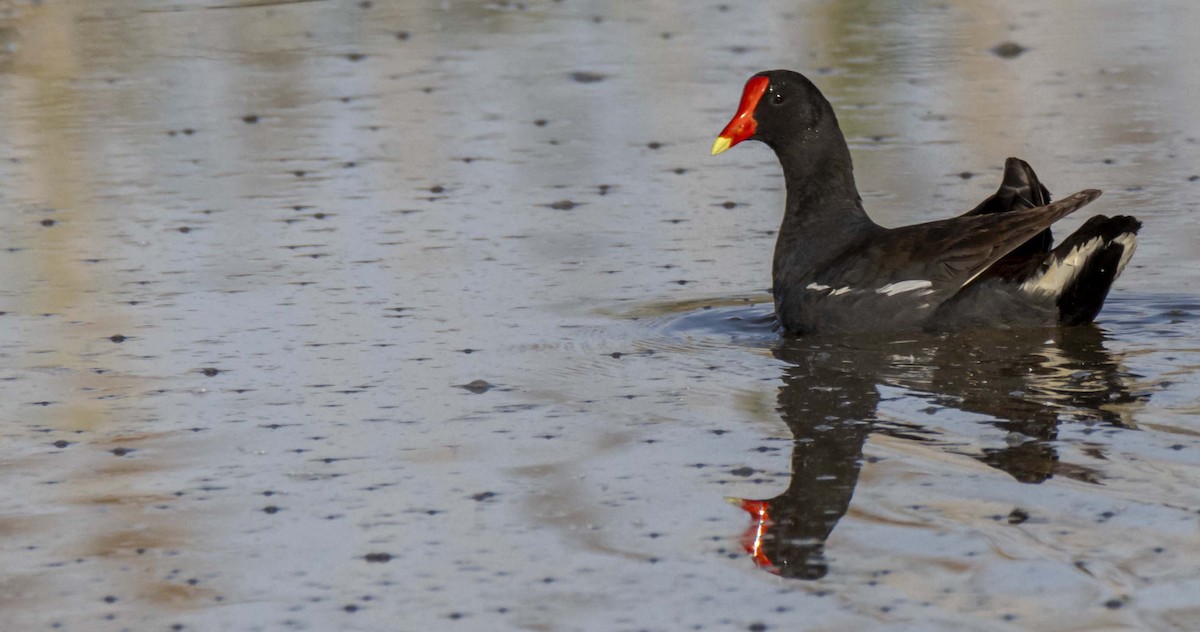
x=402 y=316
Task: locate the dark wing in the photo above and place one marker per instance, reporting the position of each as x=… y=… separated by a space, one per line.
x=953 y=252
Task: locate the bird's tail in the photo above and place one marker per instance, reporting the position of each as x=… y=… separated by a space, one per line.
x=1019 y=190
x=1080 y=270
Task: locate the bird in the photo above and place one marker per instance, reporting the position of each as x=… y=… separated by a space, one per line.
x=836 y=271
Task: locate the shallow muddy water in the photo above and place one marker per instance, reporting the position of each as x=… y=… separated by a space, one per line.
x=410 y=316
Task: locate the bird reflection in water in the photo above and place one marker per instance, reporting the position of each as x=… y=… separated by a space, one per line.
x=1027 y=382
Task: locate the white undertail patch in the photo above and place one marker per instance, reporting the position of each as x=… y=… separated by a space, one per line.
x=1059 y=274
x=1128 y=241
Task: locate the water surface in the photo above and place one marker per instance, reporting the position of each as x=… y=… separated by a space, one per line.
x=404 y=316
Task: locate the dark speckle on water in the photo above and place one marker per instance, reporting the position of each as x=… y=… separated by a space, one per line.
x=563 y=205
x=1008 y=50
x=250 y=118
x=117 y=338
x=583 y=76
x=478 y=386
x=1017 y=516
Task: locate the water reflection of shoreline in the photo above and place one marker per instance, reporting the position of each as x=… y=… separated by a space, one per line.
x=1026 y=382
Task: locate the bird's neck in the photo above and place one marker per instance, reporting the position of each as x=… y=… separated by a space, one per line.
x=824 y=212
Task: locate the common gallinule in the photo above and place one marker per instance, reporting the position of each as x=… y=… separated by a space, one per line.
x=836 y=270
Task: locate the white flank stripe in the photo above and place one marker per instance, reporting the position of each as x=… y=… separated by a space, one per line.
x=892 y=289
x=817 y=286
x=841 y=290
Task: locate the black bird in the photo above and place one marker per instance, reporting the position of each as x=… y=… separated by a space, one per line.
x=836 y=270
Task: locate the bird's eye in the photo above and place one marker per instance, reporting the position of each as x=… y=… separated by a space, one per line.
x=777 y=98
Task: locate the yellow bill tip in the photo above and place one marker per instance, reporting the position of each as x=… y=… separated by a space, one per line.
x=722 y=143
